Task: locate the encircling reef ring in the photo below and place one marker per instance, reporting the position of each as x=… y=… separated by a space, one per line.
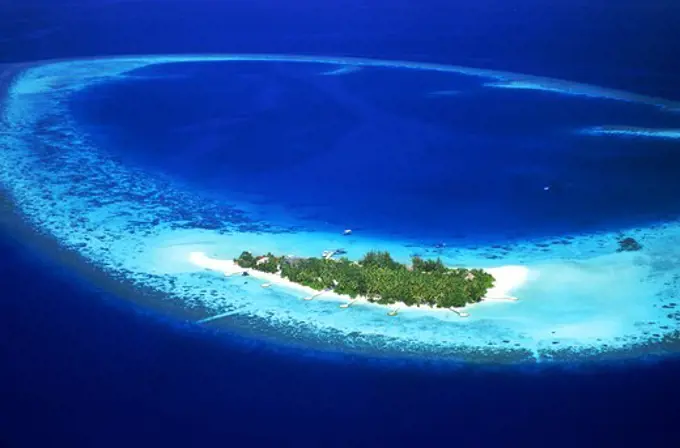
x=141 y=227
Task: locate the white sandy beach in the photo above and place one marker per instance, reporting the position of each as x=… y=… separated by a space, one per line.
x=507 y=279
x=140 y=226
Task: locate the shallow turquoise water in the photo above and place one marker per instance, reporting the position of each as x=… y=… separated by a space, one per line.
x=143 y=224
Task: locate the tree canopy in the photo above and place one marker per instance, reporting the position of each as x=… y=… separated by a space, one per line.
x=380 y=278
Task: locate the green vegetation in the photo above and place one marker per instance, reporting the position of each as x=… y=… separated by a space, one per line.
x=380 y=278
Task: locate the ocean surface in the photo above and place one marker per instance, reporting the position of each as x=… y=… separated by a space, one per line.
x=556 y=132
x=426 y=155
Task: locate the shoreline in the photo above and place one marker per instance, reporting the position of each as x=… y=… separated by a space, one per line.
x=507 y=278
x=244 y=331
x=164 y=306
x=116 y=284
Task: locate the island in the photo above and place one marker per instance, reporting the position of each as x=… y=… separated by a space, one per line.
x=378 y=278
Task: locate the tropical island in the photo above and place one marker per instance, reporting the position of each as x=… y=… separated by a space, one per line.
x=378 y=278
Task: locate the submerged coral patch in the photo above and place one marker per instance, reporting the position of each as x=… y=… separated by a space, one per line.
x=581 y=295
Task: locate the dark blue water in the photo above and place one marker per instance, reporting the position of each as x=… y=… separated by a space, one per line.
x=82 y=368
x=79 y=367
x=379 y=149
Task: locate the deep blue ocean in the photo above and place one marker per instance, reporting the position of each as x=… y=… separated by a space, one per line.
x=426 y=155
x=82 y=367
